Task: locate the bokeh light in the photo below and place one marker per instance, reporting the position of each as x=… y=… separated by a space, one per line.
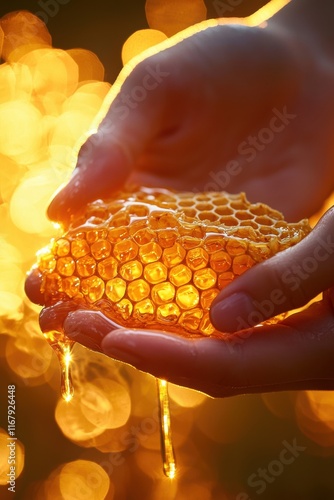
x=17 y=449
x=175 y=15
x=105 y=443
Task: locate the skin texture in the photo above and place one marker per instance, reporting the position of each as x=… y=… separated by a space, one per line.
x=220 y=92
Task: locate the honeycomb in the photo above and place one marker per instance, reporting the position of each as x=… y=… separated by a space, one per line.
x=157 y=259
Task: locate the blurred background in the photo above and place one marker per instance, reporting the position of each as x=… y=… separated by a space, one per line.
x=105 y=443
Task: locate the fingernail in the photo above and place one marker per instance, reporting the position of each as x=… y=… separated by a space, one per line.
x=234 y=313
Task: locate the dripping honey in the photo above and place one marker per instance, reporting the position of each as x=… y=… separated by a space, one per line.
x=152 y=258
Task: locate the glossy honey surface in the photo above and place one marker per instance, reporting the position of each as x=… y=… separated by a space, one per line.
x=155 y=258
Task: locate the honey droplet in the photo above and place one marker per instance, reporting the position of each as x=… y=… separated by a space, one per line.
x=167 y=450
x=63 y=348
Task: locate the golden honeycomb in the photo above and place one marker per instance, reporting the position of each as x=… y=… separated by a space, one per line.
x=155 y=258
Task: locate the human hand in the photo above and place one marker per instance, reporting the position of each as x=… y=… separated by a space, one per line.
x=230 y=108
x=296 y=353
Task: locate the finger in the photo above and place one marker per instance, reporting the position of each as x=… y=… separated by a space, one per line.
x=107 y=158
x=285 y=282
x=88 y=328
x=296 y=354
x=32 y=287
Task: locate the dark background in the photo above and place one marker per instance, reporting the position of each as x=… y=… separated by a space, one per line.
x=102 y=26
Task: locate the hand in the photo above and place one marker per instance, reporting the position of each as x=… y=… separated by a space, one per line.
x=296 y=353
x=230 y=107
x=212 y=122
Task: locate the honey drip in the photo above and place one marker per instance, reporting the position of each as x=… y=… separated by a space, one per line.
x=156 y=259
x=165 y=429
x=63 y=348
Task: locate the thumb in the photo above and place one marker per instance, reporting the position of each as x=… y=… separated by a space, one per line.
x=285 y=282
x=107 y=158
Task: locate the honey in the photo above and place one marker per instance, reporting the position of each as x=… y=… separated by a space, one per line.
x=156 y=259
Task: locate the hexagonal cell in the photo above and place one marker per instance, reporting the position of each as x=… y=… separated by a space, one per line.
x=249 y=223
x=206 y=326
x=238 y=204
x=186 y=203
x=62 y=247
x=197 y=258
x=203 y=207
x=259 y=209
x=92 y=288
x=246 y=232
x=264 y=220
x=71 y=286
x=121 y=218
x=229 y=221
x=203 y=197
x=190 y=320
x=167 y=237
x=155 y=272
x=190 y=212
x=187 y=297
x=124 y=307
x=144 y=236
x=209 y=216
x=180 y=275
x=65 y=266
x=131 y=270
x=151 y=252
x=205 y=278
x=125 y=250
x=224 y=210
x=115 y=289
x=242 y=263
x=138 y=209
x=173 y=255
x=225 y=279
x=208 y=296
x=144 y=310
x=214 y=244
x=138 y=290
x=220 y=261
x=163 y=293
x=107 y=268
x=189 y=242
x=167 y=314
x=86 y=266
x=96 y=234
x=269 y=230
x=118 y=234
x=243 y=215
x=101 y=249
x=236 y=247
x=220 y=201
x=162 y=220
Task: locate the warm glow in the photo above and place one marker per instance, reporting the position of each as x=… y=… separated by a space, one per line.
x=105 y=429
x=266 y=12
x=175 y=15
x=166 y=433
x=18 y=452
x=139 y=41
